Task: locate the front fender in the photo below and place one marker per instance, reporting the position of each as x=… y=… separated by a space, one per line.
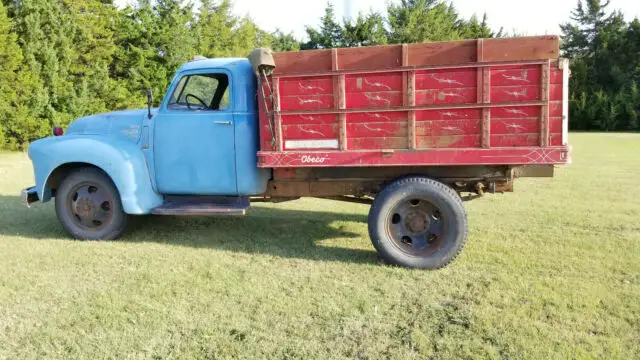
x=122 y=160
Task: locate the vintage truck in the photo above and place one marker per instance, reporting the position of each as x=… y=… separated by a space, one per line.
x=412 y=129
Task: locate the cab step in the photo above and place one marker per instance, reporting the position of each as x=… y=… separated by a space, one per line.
x=203 y=205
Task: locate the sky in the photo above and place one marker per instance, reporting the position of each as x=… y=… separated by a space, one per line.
x=526 y=17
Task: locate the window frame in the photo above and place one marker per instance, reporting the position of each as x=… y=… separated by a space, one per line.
x=181 y=75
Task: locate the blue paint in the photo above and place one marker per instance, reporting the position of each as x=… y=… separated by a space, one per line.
x=178 y=151
x=120 y=158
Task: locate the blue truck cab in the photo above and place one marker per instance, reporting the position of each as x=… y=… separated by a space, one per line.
x=201 y=141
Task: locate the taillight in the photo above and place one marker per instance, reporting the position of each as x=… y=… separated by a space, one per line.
x=57 y=131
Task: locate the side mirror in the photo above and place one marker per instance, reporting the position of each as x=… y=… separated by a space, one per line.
x=149 y=102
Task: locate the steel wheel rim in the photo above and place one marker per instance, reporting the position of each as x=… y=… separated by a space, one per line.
x=90 y=206
x=416 y=226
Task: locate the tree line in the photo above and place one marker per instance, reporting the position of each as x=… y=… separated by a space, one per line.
x=62 y=59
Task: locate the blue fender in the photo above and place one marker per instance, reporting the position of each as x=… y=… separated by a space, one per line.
x=121 y=159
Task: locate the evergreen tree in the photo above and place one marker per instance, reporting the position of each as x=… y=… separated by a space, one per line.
x=283 y=42
x=415 y=21
x=604 y=64
x=21 y=100
x=366 y=30
x=329 y=35
x=474 y=29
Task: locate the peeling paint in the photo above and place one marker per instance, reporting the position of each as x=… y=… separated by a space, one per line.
x=515 y=126
x=376 y=129
x=446 y=81
x=516 y=111
x=308 y=131
x=377 y=84
x=517 y=94
x=308 y=101
x=378 y=116
x=308 y=117
x=377 y=98
x=522 y=77
x=451 y=114
x=309 y=87
x=443 y=95
x=132 y=131
x=451 y=128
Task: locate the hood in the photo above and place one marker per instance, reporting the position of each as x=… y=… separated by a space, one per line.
x=124 y=123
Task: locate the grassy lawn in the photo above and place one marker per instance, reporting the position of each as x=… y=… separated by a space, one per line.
x=551 y=271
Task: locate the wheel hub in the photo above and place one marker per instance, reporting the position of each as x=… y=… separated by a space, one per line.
x=84 y=207
x=417 y=222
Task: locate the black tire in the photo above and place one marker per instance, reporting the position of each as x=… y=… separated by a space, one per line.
x=417 y=222
x=88 y=206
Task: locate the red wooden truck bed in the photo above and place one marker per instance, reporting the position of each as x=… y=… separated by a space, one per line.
x=477 y=102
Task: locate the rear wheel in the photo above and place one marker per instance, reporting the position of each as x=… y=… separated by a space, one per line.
x=88 y=206
x=418 y=222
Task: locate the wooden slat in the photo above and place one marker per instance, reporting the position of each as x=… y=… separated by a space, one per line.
x=372 y=57
x=522 y=48
x=406 y=108
x=411 y=101
x=277 y=117
x=435 y=53
x=486 y=112
x=342 y=117
x=544 y=119
x=416 y=68
x=340 y=100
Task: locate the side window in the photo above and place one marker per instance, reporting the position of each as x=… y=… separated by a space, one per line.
x=201 y=92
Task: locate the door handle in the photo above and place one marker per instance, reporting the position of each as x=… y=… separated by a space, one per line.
x=222 y=123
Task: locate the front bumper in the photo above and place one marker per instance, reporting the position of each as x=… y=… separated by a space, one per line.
x=29 y=196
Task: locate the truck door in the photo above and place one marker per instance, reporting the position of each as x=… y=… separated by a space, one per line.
x=194 y=140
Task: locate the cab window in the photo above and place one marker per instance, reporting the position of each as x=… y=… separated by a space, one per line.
x=201 y=92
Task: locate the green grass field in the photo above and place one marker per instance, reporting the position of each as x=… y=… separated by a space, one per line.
x=551 y=271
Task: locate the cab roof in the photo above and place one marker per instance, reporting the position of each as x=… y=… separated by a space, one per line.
x=226 y=63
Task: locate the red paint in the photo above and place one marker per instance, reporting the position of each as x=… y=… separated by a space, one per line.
x=366 y=117
x=443 y=136
x=515 y=93
x=446 y=96
x=448 y=114
x=306 y=86
x=446 y=79
x=309 y=119
x=519 y=76
x=373 y=83
x=506 y=156
x=515 y=126
x=448 y=127
x=310 y=132
x=382 y=129
x=306 y=102
x=374 y=99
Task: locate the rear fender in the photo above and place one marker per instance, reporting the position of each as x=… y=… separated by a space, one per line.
x=121 y=160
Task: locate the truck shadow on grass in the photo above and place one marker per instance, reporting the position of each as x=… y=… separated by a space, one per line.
x=314 y=235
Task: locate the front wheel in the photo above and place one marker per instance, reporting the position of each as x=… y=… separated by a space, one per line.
x=88 y=206
x=418 y=222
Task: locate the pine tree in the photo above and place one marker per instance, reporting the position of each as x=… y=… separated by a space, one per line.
x=366 y=30
x=604 y=62
x=329 y=35
x=283 y=42
x=474 y=29
x=415 y=21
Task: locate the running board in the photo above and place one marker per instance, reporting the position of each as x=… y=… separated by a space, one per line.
x=202 y=205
